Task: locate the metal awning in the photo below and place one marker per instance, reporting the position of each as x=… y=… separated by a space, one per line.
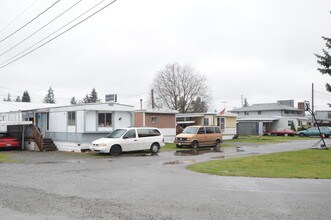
x=258 y=119
x=185 y=122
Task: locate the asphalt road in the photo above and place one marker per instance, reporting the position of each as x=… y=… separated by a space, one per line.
x=59 y=185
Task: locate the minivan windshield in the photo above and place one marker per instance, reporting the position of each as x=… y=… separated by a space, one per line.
x=190 y=130
x=116 y=133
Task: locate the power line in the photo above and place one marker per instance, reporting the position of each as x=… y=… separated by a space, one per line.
x=26 y=24
x=19 y=56
x=40 y=28
x=27 y=8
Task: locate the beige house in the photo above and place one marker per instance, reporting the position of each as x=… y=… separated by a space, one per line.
x=226 y=121
x=165 y=120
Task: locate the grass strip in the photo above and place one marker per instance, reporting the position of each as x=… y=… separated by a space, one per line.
x=310 y=163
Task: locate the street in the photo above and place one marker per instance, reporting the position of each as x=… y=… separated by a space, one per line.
x=62 y=185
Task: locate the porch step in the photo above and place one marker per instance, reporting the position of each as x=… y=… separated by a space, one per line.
x=48 y=145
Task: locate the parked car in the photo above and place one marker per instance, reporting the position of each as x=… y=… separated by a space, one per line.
x=129 y=139
x=196 y=136
x=313 y=131
x=280 y=132
x=7 y=141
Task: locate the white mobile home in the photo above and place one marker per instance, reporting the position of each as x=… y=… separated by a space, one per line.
x=74 y=126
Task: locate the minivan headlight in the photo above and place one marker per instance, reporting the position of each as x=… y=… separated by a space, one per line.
x=102 y=145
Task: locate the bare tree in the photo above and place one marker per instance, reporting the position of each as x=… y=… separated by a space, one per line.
x=178 y=87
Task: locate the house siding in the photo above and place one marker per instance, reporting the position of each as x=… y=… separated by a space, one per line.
x=162 y=121
x=139 y=119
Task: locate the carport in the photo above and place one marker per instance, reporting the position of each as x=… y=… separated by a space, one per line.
x=255 y=125
x=16 y=129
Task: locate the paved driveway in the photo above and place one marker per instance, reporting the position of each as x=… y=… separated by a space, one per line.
x=58 y=185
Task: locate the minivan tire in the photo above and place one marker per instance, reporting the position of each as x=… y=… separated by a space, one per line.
x=217 y=143
x=155 y=148
x=195 y=144
x=115 y=150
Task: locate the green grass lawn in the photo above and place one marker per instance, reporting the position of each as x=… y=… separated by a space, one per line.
x=311 y=163
x=5 y=158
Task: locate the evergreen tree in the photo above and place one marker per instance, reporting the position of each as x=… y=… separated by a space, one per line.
x=18 y=99
x=325 y=62
x=26 y=97
x=73 y=101
x=49 y=98
x=246 y=103
x=92 y=97
x=8 y=98
x=199 y=106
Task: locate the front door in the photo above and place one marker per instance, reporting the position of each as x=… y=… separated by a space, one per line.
x=42 y=122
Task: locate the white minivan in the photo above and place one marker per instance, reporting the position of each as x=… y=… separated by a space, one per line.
x=129 y=139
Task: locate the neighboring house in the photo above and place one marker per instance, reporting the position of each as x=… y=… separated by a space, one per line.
x=255 y=119
x=74 y=126
x=323 y=118
x=165 y=120
x=226 y=121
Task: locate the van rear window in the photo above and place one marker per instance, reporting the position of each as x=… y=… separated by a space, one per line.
x=217 y=129
x=148 y=132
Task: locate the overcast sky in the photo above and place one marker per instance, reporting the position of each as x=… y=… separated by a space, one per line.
x=263 y=50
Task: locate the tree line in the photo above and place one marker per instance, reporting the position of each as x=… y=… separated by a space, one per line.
x=92 y=97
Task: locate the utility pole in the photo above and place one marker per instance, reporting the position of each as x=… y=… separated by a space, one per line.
x=312 y=101
x=152 y=94
x=242 y=101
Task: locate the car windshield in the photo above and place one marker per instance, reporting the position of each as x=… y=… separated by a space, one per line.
x=190 y=130
x=117 y=133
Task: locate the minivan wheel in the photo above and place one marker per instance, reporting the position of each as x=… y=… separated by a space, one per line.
x=218 y=143
x=155 y=148
x=115 y=150
x=195 y=144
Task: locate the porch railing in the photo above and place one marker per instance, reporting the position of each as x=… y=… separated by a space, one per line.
x=38 y=137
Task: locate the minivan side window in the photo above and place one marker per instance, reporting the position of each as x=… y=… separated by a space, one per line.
x=148 y=132
x=201 y=130
x=209 y=130
x=130 y=134
x=217 y=129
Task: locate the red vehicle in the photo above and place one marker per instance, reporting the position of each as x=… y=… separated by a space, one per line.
x=280 y=132
x=7 y=141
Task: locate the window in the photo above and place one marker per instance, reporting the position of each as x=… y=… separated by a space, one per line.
x=153 y=119
x=71 y=118
x=221 y=123
x=289 y=123
x=210 y=130
x=246 y=113
x=130 y=134
x=217 y=129
x=259 y=112
x=104 y=119
x=201 y=130
x=148 y=132
x=206 y=121
x=299 y=123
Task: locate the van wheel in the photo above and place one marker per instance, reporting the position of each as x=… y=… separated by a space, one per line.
x=115 y=150
x=195 y=144
x=218 y=143
x=155 y=148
